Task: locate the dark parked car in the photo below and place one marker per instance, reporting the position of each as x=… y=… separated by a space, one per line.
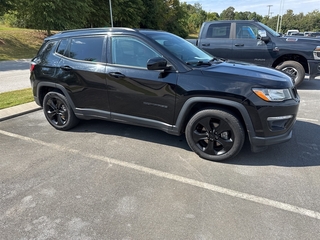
x=158 y=80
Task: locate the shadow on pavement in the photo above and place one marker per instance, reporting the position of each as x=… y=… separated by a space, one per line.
x=303 y=150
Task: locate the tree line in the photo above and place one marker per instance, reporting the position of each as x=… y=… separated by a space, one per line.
x=169 y=15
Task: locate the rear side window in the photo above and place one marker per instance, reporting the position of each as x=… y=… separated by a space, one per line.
x=86 y=49
x=47 y=47
x=47 y=51
x=219 y=30
x=62 y=46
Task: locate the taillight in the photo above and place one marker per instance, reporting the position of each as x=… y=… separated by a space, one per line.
x=32 y=67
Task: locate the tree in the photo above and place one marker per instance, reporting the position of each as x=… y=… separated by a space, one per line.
x=228 y=14
x=212 y=16
x=195 y=16
x=54 y=14
x=128 y=13
x=153 y=14
x=175 y=18
x=5 y=6
x=99 y=15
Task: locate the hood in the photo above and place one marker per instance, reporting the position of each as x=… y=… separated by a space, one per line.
x=245 y=72
x=310 y=40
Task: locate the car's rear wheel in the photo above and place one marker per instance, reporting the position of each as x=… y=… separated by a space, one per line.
x=58 y=112
x=294 y=69
x=215 y=134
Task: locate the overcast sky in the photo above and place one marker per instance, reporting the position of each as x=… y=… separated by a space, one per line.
x=258 y=6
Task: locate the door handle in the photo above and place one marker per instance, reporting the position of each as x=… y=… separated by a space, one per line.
x=205 y=44
x=239 y=44
x=117 y=75
x=67 y=68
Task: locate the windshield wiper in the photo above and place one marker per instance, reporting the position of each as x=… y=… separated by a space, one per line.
x=217 y=59
x=199 y=63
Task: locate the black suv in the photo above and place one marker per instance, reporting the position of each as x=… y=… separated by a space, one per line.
x=158 y=80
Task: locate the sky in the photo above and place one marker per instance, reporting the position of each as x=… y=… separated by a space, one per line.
x=259 y=6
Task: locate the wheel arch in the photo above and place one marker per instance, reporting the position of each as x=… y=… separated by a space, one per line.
x=193 y=105
x=292 y=57
x=44 y=87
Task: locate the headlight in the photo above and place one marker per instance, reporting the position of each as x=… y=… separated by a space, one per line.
x=272 y=95
x=316 y=53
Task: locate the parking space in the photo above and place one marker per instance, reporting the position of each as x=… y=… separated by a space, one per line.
x=104 y=180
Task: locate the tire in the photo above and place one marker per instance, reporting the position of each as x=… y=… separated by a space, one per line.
x=294 y=69
x=215 y=134
x=58 y=112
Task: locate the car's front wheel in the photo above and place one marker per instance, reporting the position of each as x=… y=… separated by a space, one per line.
x=215 y=134
x=58 y=112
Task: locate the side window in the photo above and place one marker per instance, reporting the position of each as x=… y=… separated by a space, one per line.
x=62 y=46
x=248 y=31
x=130 y=51
x=48 y=50
x=219 y=30
x=86 y=49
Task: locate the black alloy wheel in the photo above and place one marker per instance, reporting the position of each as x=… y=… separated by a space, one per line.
x=215 y=134
x=58 y=112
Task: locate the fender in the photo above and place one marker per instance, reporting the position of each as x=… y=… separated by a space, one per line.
x=57 y=86
x=191 y=101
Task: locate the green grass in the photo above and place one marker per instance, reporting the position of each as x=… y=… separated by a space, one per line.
x=19 y=43
x=10 y=99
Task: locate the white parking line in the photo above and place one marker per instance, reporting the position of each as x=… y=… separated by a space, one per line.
x=211 y=187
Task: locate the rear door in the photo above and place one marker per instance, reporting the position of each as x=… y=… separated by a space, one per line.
x=134 y=91
x=82 y=71
x=216 y=40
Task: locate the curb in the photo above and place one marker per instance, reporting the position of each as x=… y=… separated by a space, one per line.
x=19 y=110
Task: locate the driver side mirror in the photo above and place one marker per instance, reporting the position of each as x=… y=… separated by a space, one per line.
x=262 y=35
x=157 y=63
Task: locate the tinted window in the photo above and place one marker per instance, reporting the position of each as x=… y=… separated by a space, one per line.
x=62 y=46
x=47 y=47
x=219 y=30
x=245 y=30
x=86 y=49
x=131 y=52
x=47 y=51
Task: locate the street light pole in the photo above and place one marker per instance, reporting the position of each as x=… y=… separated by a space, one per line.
x=111 y=20
x=279 y=22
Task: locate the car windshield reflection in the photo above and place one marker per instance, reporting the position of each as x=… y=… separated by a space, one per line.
x=181 y=48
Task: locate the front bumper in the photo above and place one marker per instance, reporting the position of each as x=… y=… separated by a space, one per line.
x=314 y=68
x=261 y=143
x=272 y=122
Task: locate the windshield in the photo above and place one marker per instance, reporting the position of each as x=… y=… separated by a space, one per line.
x=181 y=48
x=269 y=30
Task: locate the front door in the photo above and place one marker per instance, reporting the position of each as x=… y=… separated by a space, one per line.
x=134 y=91
x=248 y=48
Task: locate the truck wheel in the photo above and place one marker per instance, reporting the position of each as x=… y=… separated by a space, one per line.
x=58 y=112
x=215 y=134
x=294 y=69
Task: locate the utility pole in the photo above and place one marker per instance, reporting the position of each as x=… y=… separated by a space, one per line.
x=279 y=22
x=111 y=20
x=269 y=6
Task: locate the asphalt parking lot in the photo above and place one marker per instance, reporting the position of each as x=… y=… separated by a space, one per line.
x=104 y=180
